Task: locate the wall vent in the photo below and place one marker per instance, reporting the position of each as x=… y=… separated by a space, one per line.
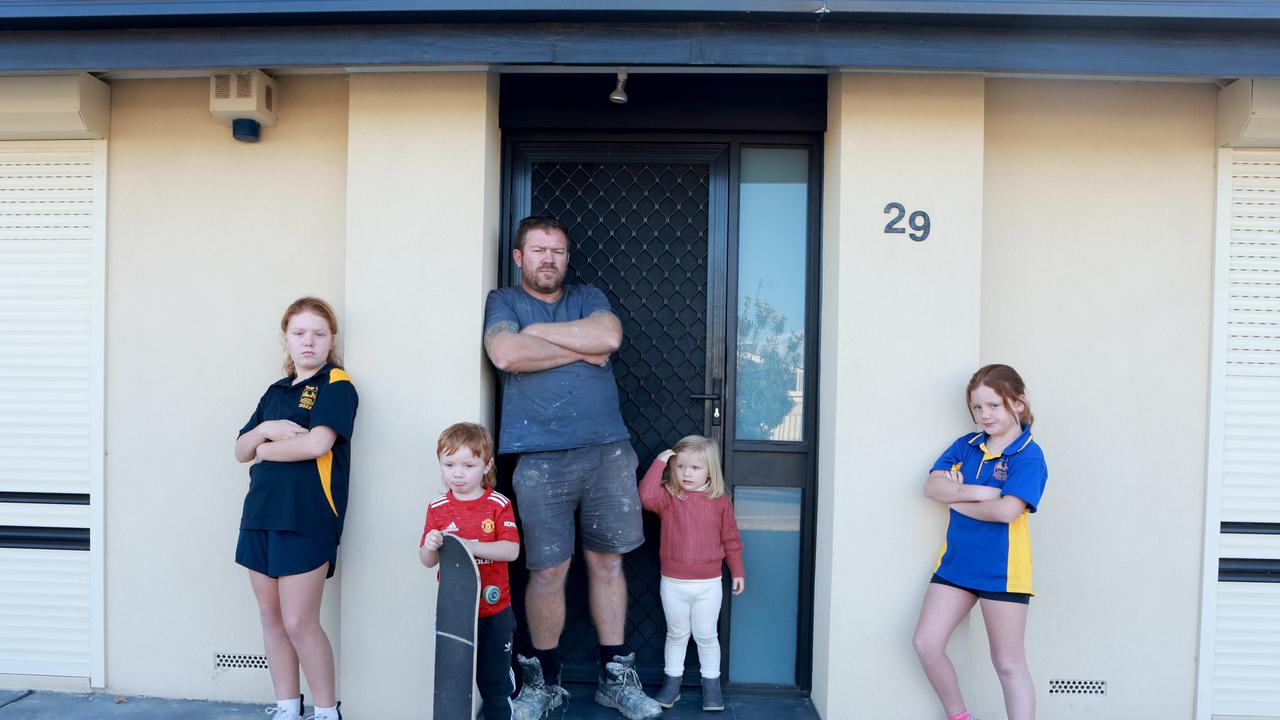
x=1077 y=687
x=239 y=661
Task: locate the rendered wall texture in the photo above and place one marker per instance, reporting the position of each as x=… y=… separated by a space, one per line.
x=1097 y=266
x=1071 y=237
x=422 y=237
x=208 y=240
x=1084 y=260
x=900 y=335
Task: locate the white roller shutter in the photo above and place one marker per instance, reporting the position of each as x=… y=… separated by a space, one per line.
x=52 y=276
x=1240 y=642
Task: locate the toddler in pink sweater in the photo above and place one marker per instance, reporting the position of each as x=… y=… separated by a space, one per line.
x=699 y=535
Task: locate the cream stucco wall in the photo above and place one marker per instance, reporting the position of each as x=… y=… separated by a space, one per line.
x=899 y=336
x=208 y=240
x=1086 y=215
x=1072 y=237
x=1097 y=270
x=422 y=238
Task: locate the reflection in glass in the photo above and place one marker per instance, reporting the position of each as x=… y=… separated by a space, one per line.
x=762 y=644
x=772 y=232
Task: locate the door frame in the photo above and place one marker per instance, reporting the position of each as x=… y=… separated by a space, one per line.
x=723 y=295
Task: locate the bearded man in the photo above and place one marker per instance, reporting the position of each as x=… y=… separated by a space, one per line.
x=551 y=343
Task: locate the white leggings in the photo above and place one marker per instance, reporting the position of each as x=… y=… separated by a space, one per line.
x=691 y=606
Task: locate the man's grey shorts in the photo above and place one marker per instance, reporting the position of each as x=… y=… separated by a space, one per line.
x=599 y=481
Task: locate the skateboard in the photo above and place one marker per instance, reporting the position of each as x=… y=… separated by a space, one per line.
x=456 y=607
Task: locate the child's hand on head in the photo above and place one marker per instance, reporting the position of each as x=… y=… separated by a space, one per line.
x=434 y=540
x=739 y=584
x=665 y=455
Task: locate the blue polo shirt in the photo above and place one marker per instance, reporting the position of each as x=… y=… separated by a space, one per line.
x=984 y=555
x=306 y=496
x=570 y=406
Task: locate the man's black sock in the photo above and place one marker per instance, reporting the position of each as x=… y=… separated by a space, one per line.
x=550 y=661
x=607 y=653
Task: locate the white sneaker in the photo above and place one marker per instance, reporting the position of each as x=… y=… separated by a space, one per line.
x=278 y=713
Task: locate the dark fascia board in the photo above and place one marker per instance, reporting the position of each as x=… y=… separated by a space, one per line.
x=1215 y=54
x=69 y=11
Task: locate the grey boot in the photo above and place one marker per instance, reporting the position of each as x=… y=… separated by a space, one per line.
x=712 y=698
x=670 y=691
x=619 y=688
x=536 y=697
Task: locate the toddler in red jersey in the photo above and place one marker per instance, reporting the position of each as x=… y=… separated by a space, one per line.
x=699 y=535
x=473 y=511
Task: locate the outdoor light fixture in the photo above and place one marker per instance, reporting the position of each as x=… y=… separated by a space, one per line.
x=619 y=94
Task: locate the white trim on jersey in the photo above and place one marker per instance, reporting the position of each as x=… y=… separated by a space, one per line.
x=499 y=498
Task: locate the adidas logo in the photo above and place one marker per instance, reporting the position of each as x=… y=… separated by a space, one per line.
x=453 y=527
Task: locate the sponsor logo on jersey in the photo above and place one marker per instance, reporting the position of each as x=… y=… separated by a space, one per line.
x=508 y=523
x=487 y=525
x=453 y=527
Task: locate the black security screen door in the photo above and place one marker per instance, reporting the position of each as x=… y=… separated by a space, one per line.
x=704 y=249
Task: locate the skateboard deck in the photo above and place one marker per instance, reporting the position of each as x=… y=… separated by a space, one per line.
x=456 y=607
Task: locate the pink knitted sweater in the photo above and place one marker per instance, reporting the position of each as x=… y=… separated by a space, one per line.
x=698 y=533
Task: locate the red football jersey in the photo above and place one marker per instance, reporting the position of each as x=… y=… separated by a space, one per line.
x=488 y=518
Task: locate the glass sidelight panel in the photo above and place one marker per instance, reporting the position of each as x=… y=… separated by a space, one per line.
x=765 y=617
x=772 y=232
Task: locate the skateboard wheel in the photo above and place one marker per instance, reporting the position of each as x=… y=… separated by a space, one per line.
x=492 y=594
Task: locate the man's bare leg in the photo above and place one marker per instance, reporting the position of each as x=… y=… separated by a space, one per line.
x=544 y=605
x=607 y=589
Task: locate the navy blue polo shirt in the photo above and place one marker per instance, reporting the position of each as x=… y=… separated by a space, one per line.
x=565 y=407
x=984 y=555
x=306 y=496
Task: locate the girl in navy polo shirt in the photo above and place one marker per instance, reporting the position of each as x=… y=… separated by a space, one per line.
x=299 y=441
x=992 y=481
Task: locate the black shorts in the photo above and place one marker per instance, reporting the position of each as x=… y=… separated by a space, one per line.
x=276 y=553
x=1023 y=598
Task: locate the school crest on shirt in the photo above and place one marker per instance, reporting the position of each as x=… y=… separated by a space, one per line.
x=1001 y=472
x=308 y=397
x=487 y=525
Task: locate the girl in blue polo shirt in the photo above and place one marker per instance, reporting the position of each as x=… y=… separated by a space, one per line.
x=992 y=481
x=299 y=441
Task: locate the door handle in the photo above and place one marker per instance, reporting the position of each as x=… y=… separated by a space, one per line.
x=714 y=397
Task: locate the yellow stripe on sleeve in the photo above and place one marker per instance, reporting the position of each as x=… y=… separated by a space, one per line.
x=1019 y=569
x=324 y=465
x=338 y=375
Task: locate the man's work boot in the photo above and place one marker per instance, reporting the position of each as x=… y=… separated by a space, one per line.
x=619 y=688
x=536 y=697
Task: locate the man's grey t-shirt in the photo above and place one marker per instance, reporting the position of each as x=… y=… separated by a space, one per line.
x=570 y=406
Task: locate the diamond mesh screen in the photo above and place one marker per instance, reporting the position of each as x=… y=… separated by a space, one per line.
x=639 y=235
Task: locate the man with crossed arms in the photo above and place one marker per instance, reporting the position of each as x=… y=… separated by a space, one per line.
x=551 y=343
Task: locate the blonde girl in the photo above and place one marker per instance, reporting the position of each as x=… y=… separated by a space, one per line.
x=685 y=488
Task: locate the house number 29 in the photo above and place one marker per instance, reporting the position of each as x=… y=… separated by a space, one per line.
x=918 y=220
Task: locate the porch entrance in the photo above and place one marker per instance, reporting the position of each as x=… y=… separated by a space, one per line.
x=705 y=249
